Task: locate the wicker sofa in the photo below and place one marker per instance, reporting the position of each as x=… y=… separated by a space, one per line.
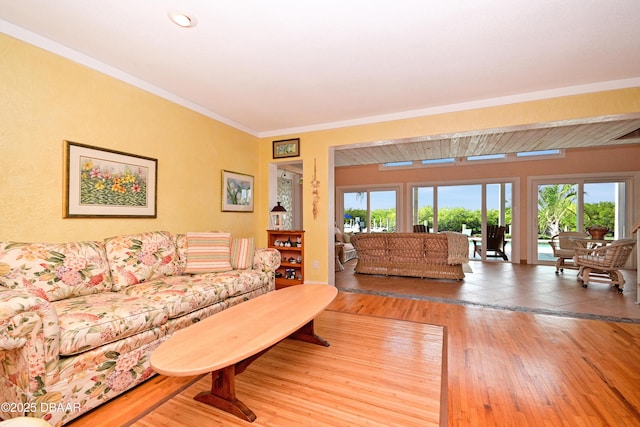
x=79 y=320
x=425 y=255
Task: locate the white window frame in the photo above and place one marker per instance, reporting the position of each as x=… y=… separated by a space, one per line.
x=629 y=178
x=515 y=216
x=400 y=214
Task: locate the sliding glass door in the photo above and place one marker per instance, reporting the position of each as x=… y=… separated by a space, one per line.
x=466 y=208
x=459 y=208
x=575 y=205
x=370 y=210
x=422 y=207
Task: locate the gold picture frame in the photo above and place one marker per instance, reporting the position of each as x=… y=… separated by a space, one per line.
x=286 y=148
x=107 y=183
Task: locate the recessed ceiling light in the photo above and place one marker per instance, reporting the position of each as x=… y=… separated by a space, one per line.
x=182 y=19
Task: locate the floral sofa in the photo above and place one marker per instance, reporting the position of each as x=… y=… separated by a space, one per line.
x=79 y=321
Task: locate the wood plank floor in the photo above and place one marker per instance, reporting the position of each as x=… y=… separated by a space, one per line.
x=517 y=369
x=296 y=383
x=400 y=381
x=520 y=369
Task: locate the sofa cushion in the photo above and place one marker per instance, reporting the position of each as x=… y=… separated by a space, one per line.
x=208 y=252
x=141 y=257
x=178 y=294
x=236 y=282
x=183 y=294
x=55 y=271
x=242 y=250
x=90 y=321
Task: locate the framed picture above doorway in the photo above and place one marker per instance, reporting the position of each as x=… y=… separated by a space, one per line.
x=286 y=148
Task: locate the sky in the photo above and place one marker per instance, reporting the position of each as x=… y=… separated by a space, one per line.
x=468 y=196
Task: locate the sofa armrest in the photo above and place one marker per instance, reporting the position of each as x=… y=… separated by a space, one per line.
x=267 y=260
x=29 y=339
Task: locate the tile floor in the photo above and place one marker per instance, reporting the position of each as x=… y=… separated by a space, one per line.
x=500 y=283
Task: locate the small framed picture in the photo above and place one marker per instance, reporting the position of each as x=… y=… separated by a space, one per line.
x=237 y=192
x=286 y=148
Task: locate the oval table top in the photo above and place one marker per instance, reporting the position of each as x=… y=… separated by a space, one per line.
x=241 y=331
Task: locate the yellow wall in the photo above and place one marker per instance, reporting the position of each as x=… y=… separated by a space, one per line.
x=47 y=99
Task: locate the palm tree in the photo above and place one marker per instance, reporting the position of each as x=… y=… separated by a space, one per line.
x=556 y=207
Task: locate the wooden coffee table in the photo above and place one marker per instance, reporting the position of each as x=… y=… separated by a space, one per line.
x=226 y=343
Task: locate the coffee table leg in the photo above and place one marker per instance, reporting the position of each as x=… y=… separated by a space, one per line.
x=308 y=334
x=223 y=381
x=223 y=394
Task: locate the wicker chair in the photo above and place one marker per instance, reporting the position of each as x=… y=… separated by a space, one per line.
x=603 y=264
x=420 y=228
x=495 y=242
x=563 y=245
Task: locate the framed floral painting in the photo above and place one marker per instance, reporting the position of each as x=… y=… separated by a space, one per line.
x=108 y=183
x=237 y=192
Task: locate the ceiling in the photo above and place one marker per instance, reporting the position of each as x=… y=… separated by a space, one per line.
x=548 y=136
x=284 y=66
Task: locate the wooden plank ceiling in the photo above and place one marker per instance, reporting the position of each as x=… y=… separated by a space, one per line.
x=604 y=131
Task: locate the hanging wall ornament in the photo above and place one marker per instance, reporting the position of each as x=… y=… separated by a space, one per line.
x=314 y=185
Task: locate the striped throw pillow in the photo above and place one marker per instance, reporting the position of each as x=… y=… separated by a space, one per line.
x=242 y=253
x=208 y=252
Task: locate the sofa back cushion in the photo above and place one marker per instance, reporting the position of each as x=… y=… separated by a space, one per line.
x=181 y=247
x=208 y=252
x=136 y=258
x=55 y=271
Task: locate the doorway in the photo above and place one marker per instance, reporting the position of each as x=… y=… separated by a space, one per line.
x=466 y=208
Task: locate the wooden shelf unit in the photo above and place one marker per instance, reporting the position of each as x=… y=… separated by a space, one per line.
x=290 y=256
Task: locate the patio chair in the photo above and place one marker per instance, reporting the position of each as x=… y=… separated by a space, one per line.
x=563 y=245
x=495 y=242
x=420 y=228
x=603 y=264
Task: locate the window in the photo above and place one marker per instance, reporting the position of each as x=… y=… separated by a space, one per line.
x=538 y=153
x=575 y=204
x=461 y=208
x=396 y=164
x=370 y=210
x=438 y=161
x=500 y=157
x=487 y=157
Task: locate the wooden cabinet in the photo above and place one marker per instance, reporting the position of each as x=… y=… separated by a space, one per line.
x=290 y=244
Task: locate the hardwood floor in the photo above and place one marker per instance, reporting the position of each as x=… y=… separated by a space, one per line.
x=517 y=369
x=509 y=368
x=296 y=383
